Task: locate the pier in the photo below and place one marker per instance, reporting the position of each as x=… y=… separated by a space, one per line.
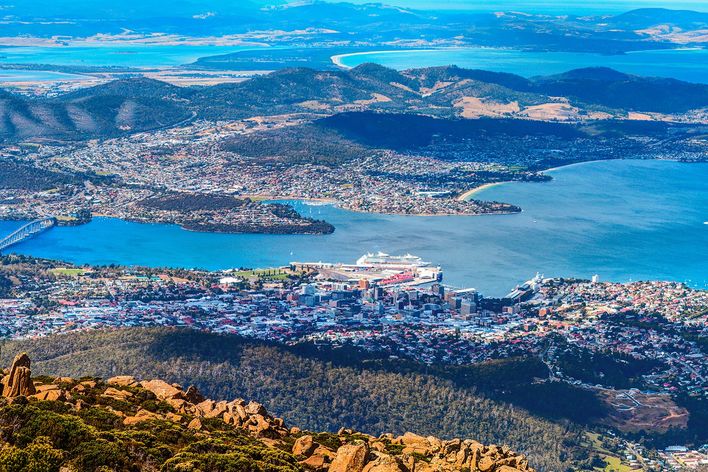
x=27 y=231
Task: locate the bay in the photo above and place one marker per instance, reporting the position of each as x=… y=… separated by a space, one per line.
x=104 y=55
x=624 y=220
x=689 y=64
x=24 y=75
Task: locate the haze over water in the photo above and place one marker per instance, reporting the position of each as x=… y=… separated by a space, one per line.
x=555 y=7
x=646 y=223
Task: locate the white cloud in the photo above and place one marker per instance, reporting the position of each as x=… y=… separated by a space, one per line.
x=204 y=16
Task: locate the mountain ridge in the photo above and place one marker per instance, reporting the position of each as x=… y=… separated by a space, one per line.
x=138 y=104
x=317 y=391
x=88 y=424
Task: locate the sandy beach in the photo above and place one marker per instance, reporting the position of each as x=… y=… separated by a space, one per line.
x=470 y=193
x=337 y=59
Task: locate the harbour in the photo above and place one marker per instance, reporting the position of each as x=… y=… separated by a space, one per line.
x=647 y=225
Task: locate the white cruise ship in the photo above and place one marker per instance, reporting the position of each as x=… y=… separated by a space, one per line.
x=383 y=260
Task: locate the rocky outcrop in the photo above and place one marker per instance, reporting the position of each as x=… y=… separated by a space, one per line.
x=384 y=463
x=304 y=446
x=192 y=395
x=136 y=403
x=123 y=381
x=350 y=458
x=162 y=389
x=18 y=381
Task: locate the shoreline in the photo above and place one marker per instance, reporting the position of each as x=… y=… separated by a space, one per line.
x=276 y=198
x=473 y=191
x=573 y=164
x=338 y=204
x=337 y=58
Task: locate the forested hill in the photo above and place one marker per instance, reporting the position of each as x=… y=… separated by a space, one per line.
x=124 y=424
x=122 y=106
x=321 y=391
x=140 y=104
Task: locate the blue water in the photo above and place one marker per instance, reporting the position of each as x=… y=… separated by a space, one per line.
x=623 y=220
x=109 y=55
x=685 y=64
x=21 y=75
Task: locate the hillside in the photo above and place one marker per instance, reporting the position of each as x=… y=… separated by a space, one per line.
x=603 y=86
x=318 y=393
x=16 y=175
x=297 y=90
x=122 y=106
x=123 y=424
x=346 y=137
x=647 y=17
x=439 y=90
x=139 y=104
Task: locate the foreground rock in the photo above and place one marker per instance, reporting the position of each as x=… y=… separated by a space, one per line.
x=211 y=435
x=17 y=381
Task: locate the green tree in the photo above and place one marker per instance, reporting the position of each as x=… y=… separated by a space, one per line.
x=39 y=456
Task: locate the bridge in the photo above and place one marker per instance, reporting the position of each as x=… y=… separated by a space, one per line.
x=27 y=231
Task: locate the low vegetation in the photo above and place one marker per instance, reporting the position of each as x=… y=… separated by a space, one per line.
x=321 y=392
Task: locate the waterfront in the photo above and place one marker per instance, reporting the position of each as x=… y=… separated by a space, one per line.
x=685 y=64
x=646 y=224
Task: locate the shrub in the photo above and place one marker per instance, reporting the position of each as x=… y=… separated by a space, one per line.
x=63 y=431
x=39 y=456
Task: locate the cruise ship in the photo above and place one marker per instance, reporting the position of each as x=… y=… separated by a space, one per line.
x=378 y=268
x=383 y=260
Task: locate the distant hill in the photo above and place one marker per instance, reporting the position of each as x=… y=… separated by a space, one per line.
x=140 y=104
x=428 y=77
x=132 y=88
x=400 y=131
x=118 y=107
x=289 y=90
x=334 y=23
x=647 y=17
x=590 y=86
x=614 y=89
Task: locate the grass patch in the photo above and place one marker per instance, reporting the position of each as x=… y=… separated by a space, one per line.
x=614 y=464
x=271 y=274
x=67 y=272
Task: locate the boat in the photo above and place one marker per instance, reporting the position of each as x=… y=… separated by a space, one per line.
x=381 y=259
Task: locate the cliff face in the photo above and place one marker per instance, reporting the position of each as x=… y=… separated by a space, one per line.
x=125 y=424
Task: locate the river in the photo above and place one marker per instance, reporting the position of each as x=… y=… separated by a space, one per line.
x=623 y=220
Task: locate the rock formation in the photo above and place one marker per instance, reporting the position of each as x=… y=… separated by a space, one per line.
x=345 y=451
x=350 y=458
x=18 y=381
